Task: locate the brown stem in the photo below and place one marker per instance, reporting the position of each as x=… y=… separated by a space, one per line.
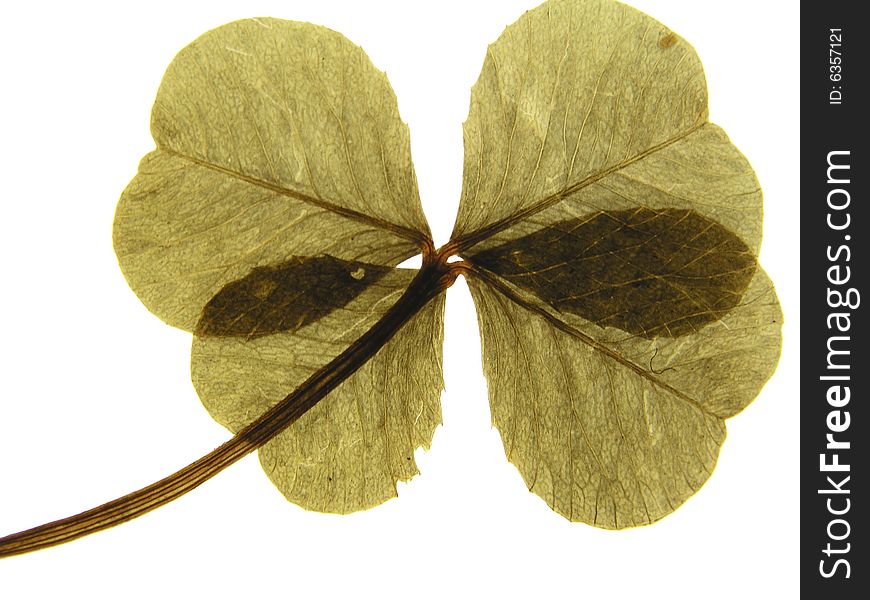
x=433 y=278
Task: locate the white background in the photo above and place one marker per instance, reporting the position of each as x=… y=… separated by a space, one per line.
x=95 y=398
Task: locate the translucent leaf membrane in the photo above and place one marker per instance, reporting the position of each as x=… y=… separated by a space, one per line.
x=612 y=429
x=269 y=221
x=348 y=452
x=275 y=139
x=569 y=93
x=612 y=236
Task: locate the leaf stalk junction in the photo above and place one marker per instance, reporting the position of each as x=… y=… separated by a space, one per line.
x=433 y=278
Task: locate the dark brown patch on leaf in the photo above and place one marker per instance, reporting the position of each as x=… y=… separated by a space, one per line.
x=668 y=41
x=285 y=297
x=649 y=272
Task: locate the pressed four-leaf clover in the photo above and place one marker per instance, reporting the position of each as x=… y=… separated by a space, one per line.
x=608 y=231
